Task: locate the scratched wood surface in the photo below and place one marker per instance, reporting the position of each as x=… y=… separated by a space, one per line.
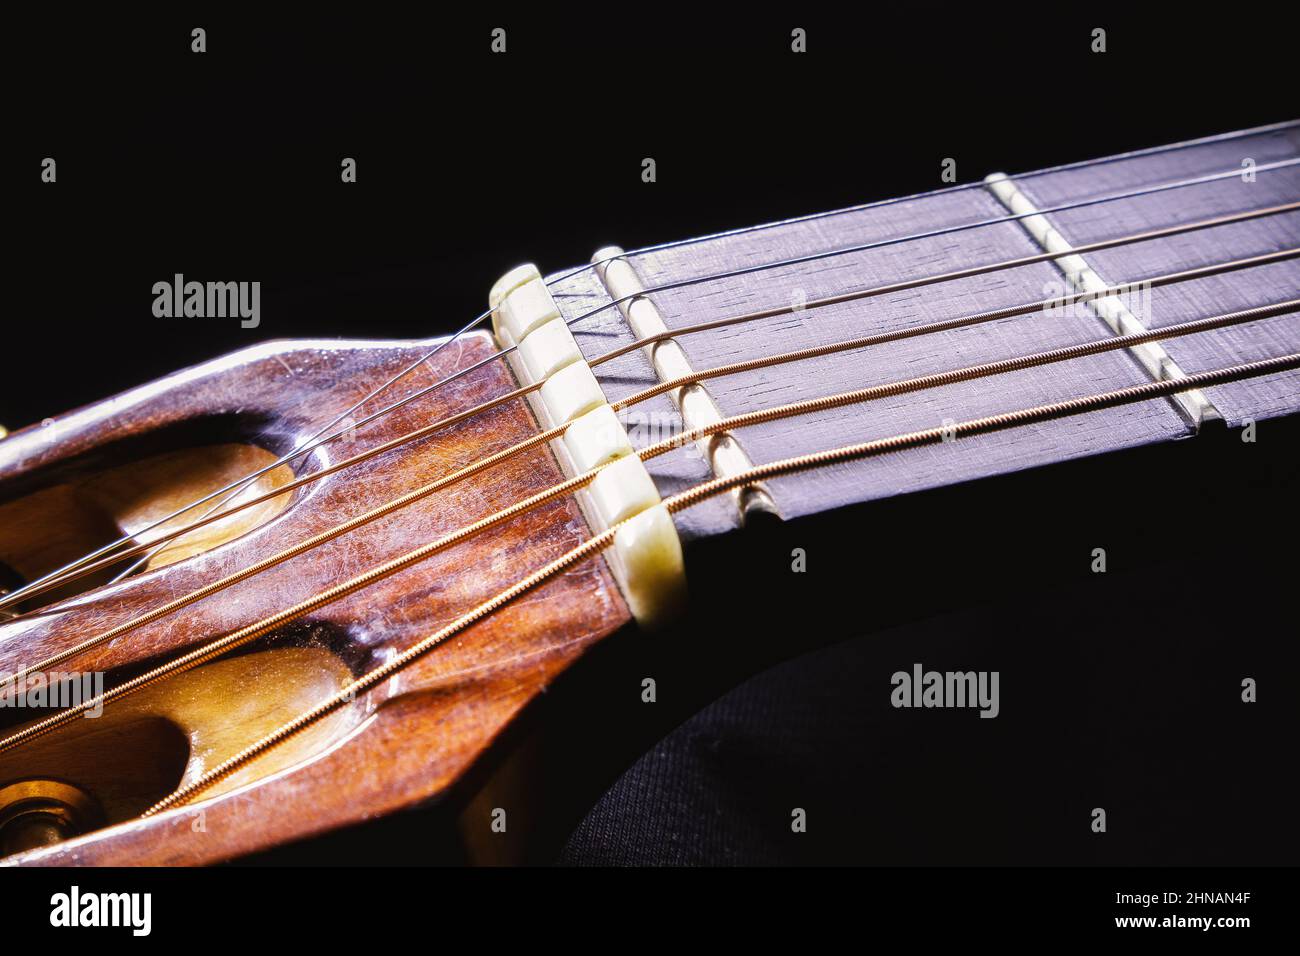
x=410 y=740
x=405 y=742
x=981 y=456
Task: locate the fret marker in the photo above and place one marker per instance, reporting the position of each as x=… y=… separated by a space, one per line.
x=723 y=453
x=1111 y=309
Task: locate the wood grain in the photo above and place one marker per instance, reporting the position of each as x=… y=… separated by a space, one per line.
x=400 y=745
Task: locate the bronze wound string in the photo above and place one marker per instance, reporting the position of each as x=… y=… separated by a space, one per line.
x=89 y=565
x=226 y=493
x=244 y=635
x=694 y=496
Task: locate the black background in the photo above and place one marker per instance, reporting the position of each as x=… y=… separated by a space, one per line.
x=225 y=166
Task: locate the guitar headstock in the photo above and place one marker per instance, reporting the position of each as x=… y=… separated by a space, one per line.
x=133 y=458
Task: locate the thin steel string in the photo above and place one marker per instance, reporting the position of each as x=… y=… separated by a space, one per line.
x=70 y=572
x=947 y=230
x=882 y=243
x=799 y=260
x=702 y=492
x=260 y=628
x=729 y=369
x=316 y=441
x=309 y=444
x=1163 y=232
x=879 y=338
x=933 y=193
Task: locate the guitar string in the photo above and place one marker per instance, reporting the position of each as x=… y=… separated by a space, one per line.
x=702 y=492
x=251 y=632
x=944 y=191
x=732 y=368
x=315 y=441
x=682 y=283
x=948 y=230
x=68 y=572
x=643 y=395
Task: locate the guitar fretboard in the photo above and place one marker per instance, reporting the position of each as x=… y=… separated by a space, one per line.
x=893 y=262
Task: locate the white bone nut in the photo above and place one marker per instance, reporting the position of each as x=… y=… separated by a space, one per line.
x=655 y=577
x=623 y=489
x=595 y=438
x=570 y=392
x=547 y=349
x=524 y=309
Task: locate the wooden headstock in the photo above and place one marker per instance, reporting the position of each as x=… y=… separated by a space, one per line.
x=116 y=464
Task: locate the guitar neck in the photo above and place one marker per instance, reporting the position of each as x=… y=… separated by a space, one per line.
x=961 y=231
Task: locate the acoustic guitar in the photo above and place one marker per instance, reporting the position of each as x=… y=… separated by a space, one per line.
x=315 y=583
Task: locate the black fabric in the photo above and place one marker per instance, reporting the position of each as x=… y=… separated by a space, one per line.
x=1123 y=695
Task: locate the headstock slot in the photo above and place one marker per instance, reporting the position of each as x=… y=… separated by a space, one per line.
x=117 y=496
x=145 y=746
